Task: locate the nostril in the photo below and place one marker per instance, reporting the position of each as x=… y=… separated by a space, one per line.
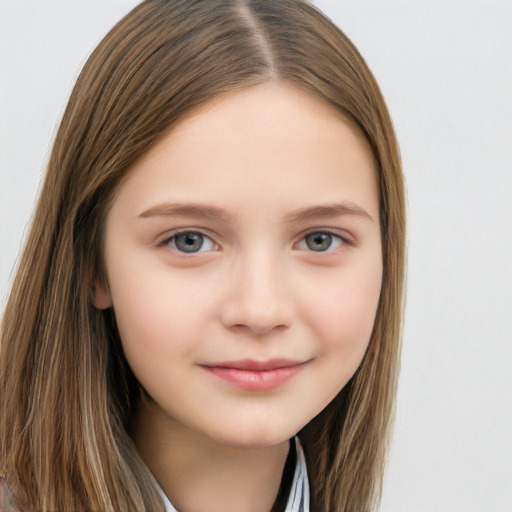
x=243 y=317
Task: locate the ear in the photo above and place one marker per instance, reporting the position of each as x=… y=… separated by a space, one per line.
x=101 y=294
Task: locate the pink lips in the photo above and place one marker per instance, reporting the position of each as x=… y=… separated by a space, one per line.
x=256 y=375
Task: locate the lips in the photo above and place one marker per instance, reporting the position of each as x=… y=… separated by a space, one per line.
x=252 y=375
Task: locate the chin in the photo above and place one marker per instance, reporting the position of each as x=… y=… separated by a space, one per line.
x=253 y=437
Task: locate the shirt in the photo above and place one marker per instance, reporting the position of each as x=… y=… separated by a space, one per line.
x=298 y=499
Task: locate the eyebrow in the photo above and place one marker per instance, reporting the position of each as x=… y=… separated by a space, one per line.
x=329 y=210
x=210 y=212
x=188 y=210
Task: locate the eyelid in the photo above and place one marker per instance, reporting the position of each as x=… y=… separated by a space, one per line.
x=346 y=238
x=165 y=240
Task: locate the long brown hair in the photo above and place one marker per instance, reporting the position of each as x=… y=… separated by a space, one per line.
x=66 y=389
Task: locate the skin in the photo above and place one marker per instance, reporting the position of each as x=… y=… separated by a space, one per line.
x=257 y=289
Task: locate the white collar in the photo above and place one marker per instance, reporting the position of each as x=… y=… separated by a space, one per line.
x=298 y=501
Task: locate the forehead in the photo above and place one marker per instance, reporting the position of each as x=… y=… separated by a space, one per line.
x=271 y=140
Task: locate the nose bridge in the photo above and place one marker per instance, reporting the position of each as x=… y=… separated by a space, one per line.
x=259 y=297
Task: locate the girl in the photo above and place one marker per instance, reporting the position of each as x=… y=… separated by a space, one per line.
x=206 y=315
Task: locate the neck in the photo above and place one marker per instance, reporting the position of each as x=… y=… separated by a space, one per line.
x=197 y=473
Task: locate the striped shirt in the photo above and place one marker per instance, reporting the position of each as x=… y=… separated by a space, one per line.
x=298 y=499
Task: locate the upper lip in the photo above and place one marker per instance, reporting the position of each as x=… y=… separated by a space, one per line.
x=255 y=365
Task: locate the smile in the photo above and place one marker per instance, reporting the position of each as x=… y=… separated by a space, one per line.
x=256 y=375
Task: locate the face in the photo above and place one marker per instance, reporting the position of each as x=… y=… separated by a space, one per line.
x=243 y=261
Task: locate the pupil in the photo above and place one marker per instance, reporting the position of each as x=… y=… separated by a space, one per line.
x=319 y=241
x=190 y=242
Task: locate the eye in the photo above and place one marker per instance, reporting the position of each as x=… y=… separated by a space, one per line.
x=320 y=242
x=190 y=242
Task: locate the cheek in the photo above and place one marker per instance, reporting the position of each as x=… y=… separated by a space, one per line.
x=158 y=327
x=342 y=312
x=342 y=318
x=158 y=311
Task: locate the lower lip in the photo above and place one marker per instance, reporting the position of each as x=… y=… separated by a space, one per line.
x=252 y=380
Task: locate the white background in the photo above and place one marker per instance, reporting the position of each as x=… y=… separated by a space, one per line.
x=445 y=68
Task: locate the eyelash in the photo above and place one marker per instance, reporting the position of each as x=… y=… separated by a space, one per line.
x=336 y=238
x=170 y=241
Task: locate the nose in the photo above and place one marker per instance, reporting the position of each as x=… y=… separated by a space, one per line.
x=258 y=298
